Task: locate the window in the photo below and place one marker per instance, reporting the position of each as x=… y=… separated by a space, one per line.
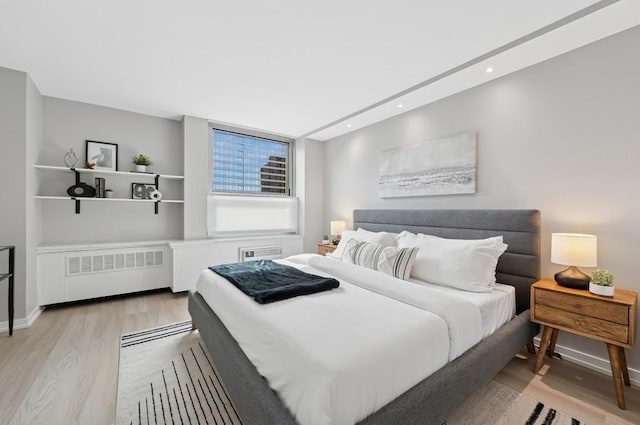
x=246 y=164
x=250 y=165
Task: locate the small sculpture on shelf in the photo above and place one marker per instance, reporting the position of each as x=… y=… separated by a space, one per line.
x=71 y=158
x=81 y=190
x=89 y=165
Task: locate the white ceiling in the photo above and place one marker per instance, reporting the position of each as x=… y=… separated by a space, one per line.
x=285 y=66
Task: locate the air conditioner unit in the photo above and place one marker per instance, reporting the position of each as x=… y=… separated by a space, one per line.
x=260 y=253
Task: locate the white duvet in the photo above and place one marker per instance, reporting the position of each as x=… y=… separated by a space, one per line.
x=337 y=356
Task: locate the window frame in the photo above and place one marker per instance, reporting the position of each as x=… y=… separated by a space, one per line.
x=254 y=134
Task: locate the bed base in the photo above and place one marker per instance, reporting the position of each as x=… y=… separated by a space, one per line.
x=431 y=400
x=427 y=403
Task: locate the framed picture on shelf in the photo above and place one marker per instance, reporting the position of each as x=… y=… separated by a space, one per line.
x=142 y=190
x=104 y=155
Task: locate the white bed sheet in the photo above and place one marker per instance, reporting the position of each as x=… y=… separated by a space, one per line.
x=496 y=307
x=333 y=357
x=462 y=316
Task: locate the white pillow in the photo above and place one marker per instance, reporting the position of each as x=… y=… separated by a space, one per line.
x=469 y=265
x=362 y=235
x=390 y=260
x=382 y=238
x=345 y=237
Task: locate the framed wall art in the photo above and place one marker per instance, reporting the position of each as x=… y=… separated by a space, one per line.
x=142 y=190
x=104 y=155
x=438 y=167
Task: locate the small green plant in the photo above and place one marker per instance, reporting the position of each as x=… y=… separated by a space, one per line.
x=141 y=160
x=602 y=278
x=325 y=237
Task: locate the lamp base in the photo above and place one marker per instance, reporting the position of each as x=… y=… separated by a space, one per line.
x=336 y=240
x=572 y=277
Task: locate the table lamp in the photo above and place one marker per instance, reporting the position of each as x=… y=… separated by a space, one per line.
x=337 y=227
x=574 y=249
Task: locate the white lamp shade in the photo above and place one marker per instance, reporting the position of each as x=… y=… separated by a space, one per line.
x=338 y=226
x=574 y=249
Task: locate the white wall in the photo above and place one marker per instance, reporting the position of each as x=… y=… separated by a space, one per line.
x=196 y=174
x=309 y=161
x=561 y=136
x=67 y=124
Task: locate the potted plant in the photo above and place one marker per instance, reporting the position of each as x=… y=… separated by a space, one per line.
x=325 y=239
x=601 y=283
x=141 y=162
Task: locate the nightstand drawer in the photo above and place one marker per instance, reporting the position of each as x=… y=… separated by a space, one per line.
x=581 y=324
x=601 y=309
x=324 y=249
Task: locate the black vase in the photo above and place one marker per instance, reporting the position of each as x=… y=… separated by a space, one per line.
x=81 y=190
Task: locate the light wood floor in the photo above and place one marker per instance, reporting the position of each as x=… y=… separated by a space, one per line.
x=63 y=370
x=576 y=390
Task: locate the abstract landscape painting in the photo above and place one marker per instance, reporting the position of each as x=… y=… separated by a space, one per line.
x=438 y=167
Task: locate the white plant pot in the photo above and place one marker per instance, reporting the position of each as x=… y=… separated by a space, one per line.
x=606 y=291
x=141 y=168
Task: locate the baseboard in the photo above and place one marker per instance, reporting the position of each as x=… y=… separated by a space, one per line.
x=24 y=322
x=591 y=362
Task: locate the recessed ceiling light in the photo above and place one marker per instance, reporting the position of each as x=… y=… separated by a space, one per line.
x=399 y=105
x=489 y=70
x=348 y=125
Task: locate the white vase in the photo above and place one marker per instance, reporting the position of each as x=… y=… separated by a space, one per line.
x=141 y=168
x=606 y=291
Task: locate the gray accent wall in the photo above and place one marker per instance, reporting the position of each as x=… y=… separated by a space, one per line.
x=20 y=141
x=33 y=214
x=561 y=136
x=67 y=124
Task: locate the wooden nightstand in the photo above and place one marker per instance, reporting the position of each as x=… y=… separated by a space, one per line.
x=325 y=248
x=611 y=320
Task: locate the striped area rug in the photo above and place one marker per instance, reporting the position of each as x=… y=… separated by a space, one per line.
x=166 y=377
x=498 y=404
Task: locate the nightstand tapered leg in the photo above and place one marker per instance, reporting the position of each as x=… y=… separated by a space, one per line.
x=544 y=343
x=615 y=358
x=552 y=343
x=625 y=370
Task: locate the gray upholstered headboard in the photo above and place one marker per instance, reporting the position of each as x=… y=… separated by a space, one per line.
x=519 y=266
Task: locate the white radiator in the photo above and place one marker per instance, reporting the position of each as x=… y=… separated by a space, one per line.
x=260 y=253
x=86 y=264
x=71 y=273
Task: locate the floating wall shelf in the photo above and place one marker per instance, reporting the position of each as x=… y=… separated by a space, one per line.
x=78 y=171
x=120 y=173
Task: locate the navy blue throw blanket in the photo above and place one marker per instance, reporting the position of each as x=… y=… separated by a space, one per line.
x=266 y=281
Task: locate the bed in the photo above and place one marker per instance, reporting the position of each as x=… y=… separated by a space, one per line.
x=429 y=401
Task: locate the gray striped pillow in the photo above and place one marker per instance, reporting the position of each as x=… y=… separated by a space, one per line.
x=396 y=262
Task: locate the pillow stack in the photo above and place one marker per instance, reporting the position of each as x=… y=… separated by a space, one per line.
x=469 y=265
x=466 y=264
